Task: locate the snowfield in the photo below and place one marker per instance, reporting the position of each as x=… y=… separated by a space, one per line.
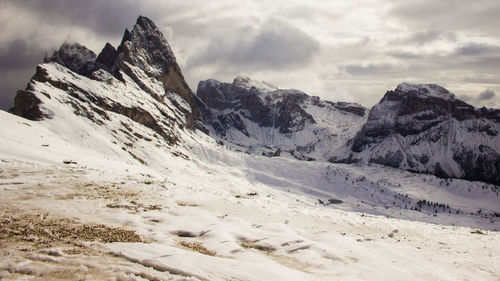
x=203 y=211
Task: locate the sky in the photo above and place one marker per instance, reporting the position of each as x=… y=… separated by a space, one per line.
x=339 y=50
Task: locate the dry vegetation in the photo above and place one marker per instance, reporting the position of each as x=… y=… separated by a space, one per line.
x=197 y=247
x=41 y=231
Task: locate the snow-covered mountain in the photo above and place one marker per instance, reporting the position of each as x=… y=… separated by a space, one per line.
x=107 y=173
x=136 y=93
x=134 y=97
x=144 y=60
x=425 y=128
x=262 y=118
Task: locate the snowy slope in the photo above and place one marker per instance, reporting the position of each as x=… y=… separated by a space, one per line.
x=223 y=215
x=262 y=118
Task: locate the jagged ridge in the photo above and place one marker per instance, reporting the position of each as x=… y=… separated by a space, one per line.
x=261 y=117
x=144 y=48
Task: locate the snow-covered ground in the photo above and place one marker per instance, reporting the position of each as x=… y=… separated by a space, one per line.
x=212 y=213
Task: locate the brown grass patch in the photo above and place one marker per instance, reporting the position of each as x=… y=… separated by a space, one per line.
x=41 y=231
x=197 y=247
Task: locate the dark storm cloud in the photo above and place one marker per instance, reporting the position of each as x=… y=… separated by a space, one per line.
x=21 y=51
x=17 y=63
x=478 y=50
x=10 y=83
x=103 y=17
x=486 y=95
x=19 y=55
x=275 y=46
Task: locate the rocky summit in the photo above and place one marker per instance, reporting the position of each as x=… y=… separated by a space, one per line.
x=425 y=128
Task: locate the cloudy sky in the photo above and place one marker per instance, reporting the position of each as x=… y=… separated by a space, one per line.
x=340 y=50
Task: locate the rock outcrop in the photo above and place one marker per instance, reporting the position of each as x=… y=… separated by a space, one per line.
x=75 y=57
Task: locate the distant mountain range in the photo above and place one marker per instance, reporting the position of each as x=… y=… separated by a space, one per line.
x=136 y=96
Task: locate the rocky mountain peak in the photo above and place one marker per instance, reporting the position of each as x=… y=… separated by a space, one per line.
x=145 y=47
x=74 y=56
x=418 y=126
x=246 y=83
x=107 y=59
x=144 y=56
x=424 y=90
x=146 y=23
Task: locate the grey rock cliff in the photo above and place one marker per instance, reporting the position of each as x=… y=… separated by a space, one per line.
x=425 y=128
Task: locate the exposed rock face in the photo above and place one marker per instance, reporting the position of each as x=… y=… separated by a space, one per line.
x=274 y=110
x=145 y=56
x=146 y=48
x=255 y=114
x=28 y=105
x=424 y=128
x=107 y=59
x=76 y=57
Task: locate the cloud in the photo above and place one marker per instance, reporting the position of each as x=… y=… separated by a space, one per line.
x=103 y=17
x=480 y=16
x=17 y=64
x=465 y=98
x=427 y=36
x=274 y=45
x=358 y=48
x=474 y=49
x=487 y=94
x=372 y=69
x=19 y=55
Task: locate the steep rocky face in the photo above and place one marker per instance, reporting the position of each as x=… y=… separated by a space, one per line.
x=107 y=59
x=26 y=104
x=266 y=107
x=76 y=57
x=146 y=48
x=144 y=56
x=254 y=114
x=424 y=128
